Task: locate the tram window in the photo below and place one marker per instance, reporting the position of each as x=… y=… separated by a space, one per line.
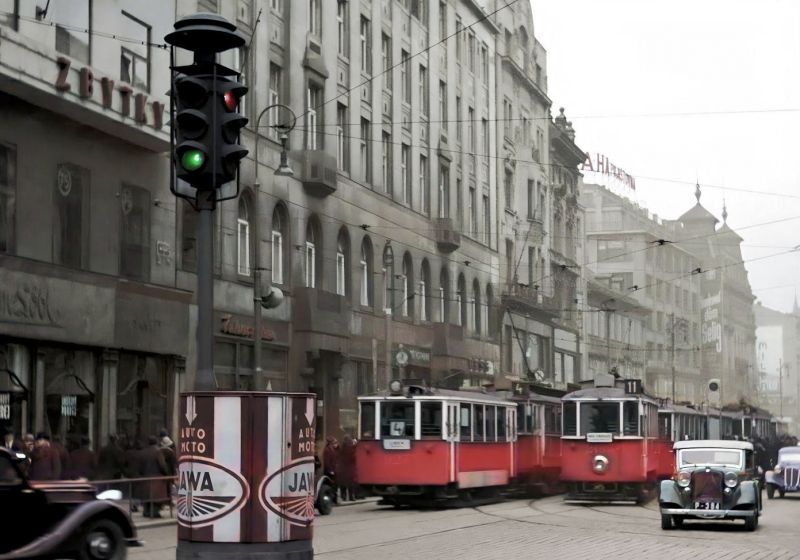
x=431 y=419
x=665 y=426
x=521 y=409
x=466 y=422
x=397 y=419
x=630 y=416
x=570 y=419
x=599 y=417
x=552 y=420
x=501 y=423
x=477 y=433
x=535 y=420
x=367 y=420
x=491 y=415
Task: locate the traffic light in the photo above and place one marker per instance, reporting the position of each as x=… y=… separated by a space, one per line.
x=207 y=124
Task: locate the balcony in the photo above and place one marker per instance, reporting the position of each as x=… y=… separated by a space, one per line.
x=448 y=238
x=530 y=298
x=321 y=312
x=317 y=171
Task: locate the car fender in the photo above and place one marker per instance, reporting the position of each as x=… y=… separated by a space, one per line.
x=63 y=531
x=669 y=493
x=323 y=481
x=747 y=493
x=771 y=478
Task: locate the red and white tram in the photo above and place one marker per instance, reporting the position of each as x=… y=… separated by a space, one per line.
x=610 y=447
x=419 y=445
x=538 y=443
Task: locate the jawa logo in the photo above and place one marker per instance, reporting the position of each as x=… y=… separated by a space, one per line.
x=289 y=492
x=207 y=491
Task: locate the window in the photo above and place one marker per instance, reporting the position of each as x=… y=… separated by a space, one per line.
x=386 y=161
x=630 y=418
x=342 y=151
x=570 y=418
x=473 y=212
x=408 y=286
x=386 y=59
x=243 y=238
x=444 y=191
x=365 y=265
x=443 y=105
x=71 y=19
x=367 y=420
x=501 y=423
x=388 y=280
x=599 y=417
x=310 y=268
x=459 y=202
x=531 y=198
x=443 y=21
x=423 y=90
x=276 y=5
x=461 y=301
x=366 y=151
x=477 y=432
x=459 y=37
x=484 y=64
x=135 y=233
x=342 y=263
x=397 y=419
x=314 y=138
x=70 y=237
x=135 y=55
x=8 y=197
x=509 y=189
x=611 y=250
x=459 y=125
x=487 y=220
x=315 y=17
x=343 y=26
x=365 y=36
x=240 y=65
x=471 y=52
x=471 y=138
x=431 y=419
x=274 y=98
x=424 y=296
x=405 y=76
x=532 y=267
x=278 y=239
x=465 y=422
x=444 y=296
x=491 y=419
x=424 y=188
x=405 y=175
x=476 y=307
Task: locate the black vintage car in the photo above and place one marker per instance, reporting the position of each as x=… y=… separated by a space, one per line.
x=58 y=519
x=715 y=479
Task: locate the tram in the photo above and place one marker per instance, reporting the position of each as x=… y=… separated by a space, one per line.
x=538 y=444
x=675 y=423
x=610 y=445
x=424 y=446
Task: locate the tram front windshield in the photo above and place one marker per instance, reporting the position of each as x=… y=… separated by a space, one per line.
x=397 y=419
x=600 y=417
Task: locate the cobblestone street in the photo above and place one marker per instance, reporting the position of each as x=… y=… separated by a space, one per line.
x=519 y=528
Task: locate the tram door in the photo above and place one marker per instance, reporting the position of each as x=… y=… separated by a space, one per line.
x=453 y=435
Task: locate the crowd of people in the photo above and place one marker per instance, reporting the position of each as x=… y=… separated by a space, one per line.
x=339 y=464
x=51 y=459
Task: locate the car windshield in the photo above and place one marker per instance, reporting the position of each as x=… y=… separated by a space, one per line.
x=719 y=457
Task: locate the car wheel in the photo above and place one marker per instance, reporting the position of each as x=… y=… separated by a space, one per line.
x=781 y=492
x=102 y=540
x=750 y=523
x=666 y=522
x=325 y=500
x=677 y=520
x=770 y=491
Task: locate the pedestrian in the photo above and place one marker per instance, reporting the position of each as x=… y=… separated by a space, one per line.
x=330 y=457
x=28 y=444
x=167 y=448
x=346 y=469
x=11 y=443
x=82 y=461
x=45 y=463
x=152 y=493
x=111 y=460
x=63 y=454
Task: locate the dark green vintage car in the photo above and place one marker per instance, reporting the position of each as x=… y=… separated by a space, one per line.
x=714 y=480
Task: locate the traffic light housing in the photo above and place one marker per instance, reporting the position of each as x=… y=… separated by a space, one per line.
x=206 y=125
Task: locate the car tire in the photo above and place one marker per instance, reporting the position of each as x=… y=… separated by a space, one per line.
x=325 y=500
x=102 y=539
x=666 y=522
x=677 y=520
x=781 y=492
x=770 y=491
x=751 y=523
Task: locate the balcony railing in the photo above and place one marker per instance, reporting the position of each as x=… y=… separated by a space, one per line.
x=448 y=238
x=528 y=298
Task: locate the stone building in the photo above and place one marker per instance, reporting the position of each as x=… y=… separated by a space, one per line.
x=778 y=361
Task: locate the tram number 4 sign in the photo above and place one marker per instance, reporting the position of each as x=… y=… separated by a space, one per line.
x=5 y=406
x=633 y=386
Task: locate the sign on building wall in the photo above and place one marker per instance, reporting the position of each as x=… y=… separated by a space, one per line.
x=711 y=334
x=5 y=406
x=69 y=405
x=598 y=168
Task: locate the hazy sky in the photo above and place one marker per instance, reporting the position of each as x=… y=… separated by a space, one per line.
x=616 y=65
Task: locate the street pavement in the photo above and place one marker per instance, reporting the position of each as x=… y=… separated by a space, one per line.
x=546 y=528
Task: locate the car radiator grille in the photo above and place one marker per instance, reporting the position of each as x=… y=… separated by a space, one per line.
x=707 y=486
x=791 y=476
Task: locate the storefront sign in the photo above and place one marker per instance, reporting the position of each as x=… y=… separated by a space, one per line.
x=412 y=355
x=711 y=330
x=28 y=302
x=598 y=163
x=236 y=327
x=481 y=366
x=69 y=405
x=5 y=406
x=151 y=323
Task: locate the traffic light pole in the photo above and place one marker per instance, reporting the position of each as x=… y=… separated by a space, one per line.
x=204 y=380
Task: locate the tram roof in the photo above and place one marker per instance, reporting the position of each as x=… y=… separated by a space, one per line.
x=715 y=443
x=604 y=393
x=441 y=394
x=681 y=409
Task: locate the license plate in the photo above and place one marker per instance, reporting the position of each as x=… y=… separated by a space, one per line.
x=706 y=505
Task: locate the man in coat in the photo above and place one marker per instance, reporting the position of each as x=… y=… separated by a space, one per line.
x=110 y=460
x=346 y=469
x=82 y=461
x=152 y=493
x=45 y=463
x=11 y=443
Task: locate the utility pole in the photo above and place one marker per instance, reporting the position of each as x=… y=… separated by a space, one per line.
x=388 y=304
x=780 y=386
x=608 y=339
x=672 y=320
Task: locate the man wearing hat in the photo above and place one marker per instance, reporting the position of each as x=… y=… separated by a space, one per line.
x=45 y=464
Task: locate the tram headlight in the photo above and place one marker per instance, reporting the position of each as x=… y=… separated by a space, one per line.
x=600 y=464
x=684 y=478
x=731 y=479
x=396 y=387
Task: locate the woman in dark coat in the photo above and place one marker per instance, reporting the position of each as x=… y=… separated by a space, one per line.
x=152 y=493
x=346 y=469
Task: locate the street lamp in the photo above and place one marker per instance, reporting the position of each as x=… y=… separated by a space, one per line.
x=275 y=296
x=388 y=271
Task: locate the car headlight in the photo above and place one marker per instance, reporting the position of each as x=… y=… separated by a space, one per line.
x=684 y=478
x=731 y=479
x=600 y=464
x=777 y=469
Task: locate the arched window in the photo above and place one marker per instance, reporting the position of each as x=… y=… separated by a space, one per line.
x=444 y=296
x=280 y=236
x=388 y=279
x=365 y=266
x=343 y=263
x=424 y=292
x=312 y=271
x=489 y=315
x=461 y=301
x=407 y=304
x=243 y=249
x=477 y=308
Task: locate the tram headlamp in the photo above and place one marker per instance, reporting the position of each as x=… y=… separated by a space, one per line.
x=731 y=479
x=600 y=464
x=396 y=387
x=684 y=478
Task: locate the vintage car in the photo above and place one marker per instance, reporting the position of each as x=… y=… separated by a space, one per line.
x=714 y=479
x=785 y=477
x=58 y=519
